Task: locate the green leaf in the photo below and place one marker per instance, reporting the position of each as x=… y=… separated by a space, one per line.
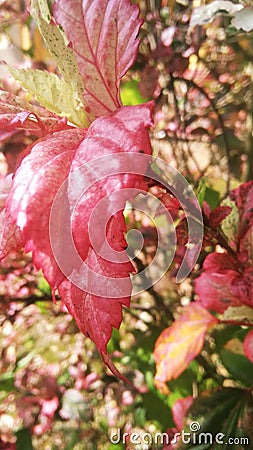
x=7 y=382
x=24 y=440
x=57 y=45
x=117 y=447
x=182 y=386
x=73 y=437
x=232 y=141
x=225 y=333
x=239 y=367
x=201 y=191
x=212 y=197
x=130 y=94
x=223 y=411
x=140 y=416
x=43 y=286
x=113 y=343
x=52 y=92
x=157 y=410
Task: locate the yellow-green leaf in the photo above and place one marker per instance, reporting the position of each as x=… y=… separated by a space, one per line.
x=52 y=92
x=56 y=43
x=239 y=314
x=230 y=224
x=43 y=7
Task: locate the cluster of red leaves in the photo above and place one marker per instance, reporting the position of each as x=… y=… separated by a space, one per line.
x=37 y=409
x=227 y=277
x=226 y=281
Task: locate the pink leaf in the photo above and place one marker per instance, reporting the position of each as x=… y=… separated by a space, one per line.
x=179 y=411
x=221 y=285
x=248 y=345
x=10 y=236
x=90 y=311
x=243 y=196
x=36 y=185
x=103 y=36
x=243 y=286
x=16 y=116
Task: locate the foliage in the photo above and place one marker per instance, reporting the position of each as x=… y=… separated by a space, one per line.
x=184 y=352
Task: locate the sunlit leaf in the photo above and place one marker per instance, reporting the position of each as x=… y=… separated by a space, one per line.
x=56 y=43
x=181 y=343
x=35 y=185
x=130 y=94
x=103 y=37
x=56 y=94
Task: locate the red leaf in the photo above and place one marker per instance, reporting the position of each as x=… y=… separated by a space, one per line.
x=218 y=215
x=16 y=115
x=243 y=196
x=179 y=344
x=243 y=286
x=214 y=286
x=35 y=185
x=90 y=311
x=248 y=345
x=103 y=36
x=223 y=283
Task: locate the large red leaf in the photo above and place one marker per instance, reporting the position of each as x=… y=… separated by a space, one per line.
x=56 y=159
x=103 y=36
x=97 y=315
x=90 y=310
x=179 y=344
